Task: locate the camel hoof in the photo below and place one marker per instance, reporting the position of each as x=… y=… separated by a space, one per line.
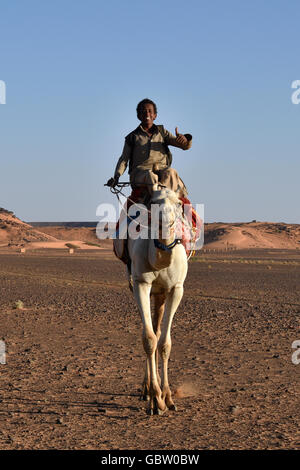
x=172 y=408
x=145 y=397
x=160 y=412
x=156 y=411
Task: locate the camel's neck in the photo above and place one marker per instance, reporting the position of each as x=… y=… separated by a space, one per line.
x=159 y=255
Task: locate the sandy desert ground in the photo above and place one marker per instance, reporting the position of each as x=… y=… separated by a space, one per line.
x=75 y=362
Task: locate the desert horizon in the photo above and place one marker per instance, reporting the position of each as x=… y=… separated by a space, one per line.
x=217 y=235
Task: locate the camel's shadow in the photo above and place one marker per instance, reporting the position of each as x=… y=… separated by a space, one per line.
x=54 y=406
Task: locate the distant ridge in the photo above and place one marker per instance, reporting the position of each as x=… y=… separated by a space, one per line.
x=63 y=224
x=5 y=211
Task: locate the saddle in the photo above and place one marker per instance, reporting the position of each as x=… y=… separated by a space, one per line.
x=120 y=246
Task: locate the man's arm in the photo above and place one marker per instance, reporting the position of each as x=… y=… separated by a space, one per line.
x=123 y=161
x=121 y=165
x=183 y=141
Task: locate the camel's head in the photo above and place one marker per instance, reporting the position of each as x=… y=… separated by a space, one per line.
x=166 y=208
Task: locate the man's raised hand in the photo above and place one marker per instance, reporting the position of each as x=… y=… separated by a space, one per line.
x=181 y=139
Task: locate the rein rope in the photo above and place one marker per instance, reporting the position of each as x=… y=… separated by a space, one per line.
x=116 y=191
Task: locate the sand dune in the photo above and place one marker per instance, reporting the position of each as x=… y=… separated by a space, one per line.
x=217 y=235
x=252 y=235
x=14 y=232
x=82 y=234
x=67 y=244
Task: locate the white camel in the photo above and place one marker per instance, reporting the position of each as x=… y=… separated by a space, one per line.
x=159 y=268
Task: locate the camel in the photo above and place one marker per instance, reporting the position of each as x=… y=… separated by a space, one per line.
x=158 y=269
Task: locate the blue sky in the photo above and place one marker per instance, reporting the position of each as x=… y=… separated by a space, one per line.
x=222 y=71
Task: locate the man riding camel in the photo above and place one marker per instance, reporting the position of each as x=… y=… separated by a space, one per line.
x=147 y=153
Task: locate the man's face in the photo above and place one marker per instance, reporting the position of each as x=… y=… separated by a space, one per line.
x=147 y=115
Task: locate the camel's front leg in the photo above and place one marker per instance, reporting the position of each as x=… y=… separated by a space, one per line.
x=159 y=307
x=145 y=395
x=141 y=292
x=165 y=344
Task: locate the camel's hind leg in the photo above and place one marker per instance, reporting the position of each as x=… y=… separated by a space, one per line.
x=165 y=344
x=142 y=295
x=159 y=307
